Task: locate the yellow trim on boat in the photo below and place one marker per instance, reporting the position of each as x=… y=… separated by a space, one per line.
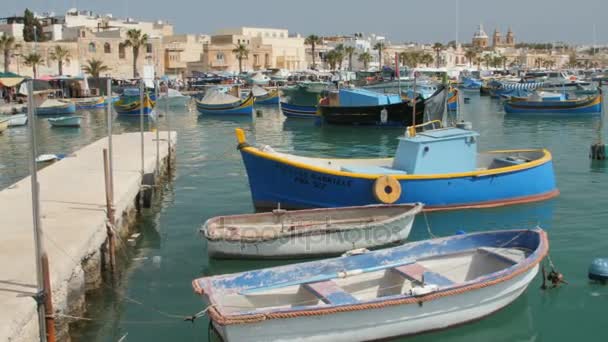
x=478 y=173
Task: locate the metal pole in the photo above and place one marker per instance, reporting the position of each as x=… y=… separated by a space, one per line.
x=110 y=154
x=109 y=210
x=46 y=322
x=141 y=123
x=156 y=131
x=414 y=97
x=168 y=129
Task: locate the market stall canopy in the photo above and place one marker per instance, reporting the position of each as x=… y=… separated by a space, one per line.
x=10 y=79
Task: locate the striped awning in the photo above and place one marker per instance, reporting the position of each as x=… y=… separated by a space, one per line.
x=521 y=86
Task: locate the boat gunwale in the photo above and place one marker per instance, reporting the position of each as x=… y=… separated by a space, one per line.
x=414 y=209
x=494 y=278
x=546 y=158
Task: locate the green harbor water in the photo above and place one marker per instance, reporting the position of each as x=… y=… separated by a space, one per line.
x=155 y=290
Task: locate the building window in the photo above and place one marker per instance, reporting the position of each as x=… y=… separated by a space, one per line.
x=107 y=48
x=148 y=48
x=220 y=57
x=121 y=51
x=238 y=41
x=274 y=35
x=92 y=47
x=256 y=60
x=82 y=34
x=267 y=60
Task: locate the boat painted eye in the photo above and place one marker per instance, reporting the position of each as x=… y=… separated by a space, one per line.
x=388 y=189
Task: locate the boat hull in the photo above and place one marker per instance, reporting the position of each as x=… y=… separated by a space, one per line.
x=592 y=106
x=330 y=243
x=3 y=125
x=398 y=114
x=175 y=101
x=295 y=111
x=272 y=98
x=275 y=180
x=386 y=322
x=68 y=108
x=244 y=107
x=17 y=120
x=134 y=108
x=72 y=121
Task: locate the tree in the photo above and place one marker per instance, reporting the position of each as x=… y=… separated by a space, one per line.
x=135 y=39
x=350 y=51
x=478 y=61
x=32 y=28
x=33 y=60
x=426 y=59
x=60 y=55
x=470 y=56
x=571 y=59
x=437 y=47
x=95 y=67
x=331 y=57
x=488 y=60
x=7 y=45
x=313 y=41
x=339 y=53
x=241 y=52
x=365 y=58
x=379 y=46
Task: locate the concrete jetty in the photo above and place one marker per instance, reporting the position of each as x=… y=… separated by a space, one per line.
x=72 y=200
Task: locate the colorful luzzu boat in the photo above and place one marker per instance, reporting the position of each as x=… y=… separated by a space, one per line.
x=56 y=107
x=440 y=168
x=239 y=107
x=296 y=111
x=271 y=97
x=589 y=105
x=130 y=105
x=98 y=102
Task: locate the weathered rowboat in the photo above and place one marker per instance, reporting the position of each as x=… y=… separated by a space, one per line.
x=304 y=233
x=217 y=103
x=296 y=111
x=56 y=107
x=414 y=288
x=588 y=105
x=66 y=121
x=265 y=97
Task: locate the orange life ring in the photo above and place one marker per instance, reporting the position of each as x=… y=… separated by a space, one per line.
x=387 y=189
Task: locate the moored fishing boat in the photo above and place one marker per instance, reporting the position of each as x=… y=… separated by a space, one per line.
x=295 y=111
x=265 y=97
x=173 y=98
x=552 y=105
x=129 y=103
x=440 y=168
x=3 y=125
x=219 y=103
x=17 y=120
x=414 y=288
x=305 y=233
x=301 y=100
x=56 y=107
x=365 y=107
x=91 y=103
x=66 y=121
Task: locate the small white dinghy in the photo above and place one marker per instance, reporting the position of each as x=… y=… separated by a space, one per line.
x=405 y=290
x=66 y=121
x=17 y=120
x=305 y=233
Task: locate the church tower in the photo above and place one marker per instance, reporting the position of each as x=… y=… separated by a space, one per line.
x=496 y=38
x=510 y=38
x=480 y=38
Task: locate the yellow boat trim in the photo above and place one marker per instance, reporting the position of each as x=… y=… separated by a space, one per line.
x=240 y=134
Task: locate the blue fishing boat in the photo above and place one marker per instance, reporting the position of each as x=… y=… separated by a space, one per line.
x=129 y=104
x=406 y=290
x=219 y=103
x=440 y=168
x=66 y=121
x=56 y=107
x=264 y=97
x=471 y=84
x=98 y=102
x=295 y=111
x=553 y=105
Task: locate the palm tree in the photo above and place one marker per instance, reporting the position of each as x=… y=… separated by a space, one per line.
x=478 y=61
x=313 y=41
x=339 y=53
x=135 y=39
x=426 y=59
x=331 y=58
x=60 y=54
x=365 y=58
x=350 y=51
x=437 y=47
x=33 y=60
x=94 y=67
x=379 y=47
x=470 y=56
x=487 y=59
x=241 y=53
x=7 y=44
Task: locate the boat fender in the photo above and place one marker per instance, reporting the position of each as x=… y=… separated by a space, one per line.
x=423 y=290
x=387 y=189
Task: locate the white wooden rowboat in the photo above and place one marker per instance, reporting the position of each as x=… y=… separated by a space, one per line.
x=305 y=233
x=17 y=120
x=418 y=287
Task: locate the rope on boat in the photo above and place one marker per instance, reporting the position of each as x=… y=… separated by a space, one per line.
x=428 y=225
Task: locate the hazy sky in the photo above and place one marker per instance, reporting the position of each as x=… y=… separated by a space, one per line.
x=399 y=20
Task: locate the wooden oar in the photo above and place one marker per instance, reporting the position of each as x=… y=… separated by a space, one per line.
x=324 y=277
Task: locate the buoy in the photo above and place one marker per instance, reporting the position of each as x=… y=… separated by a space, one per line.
x=598 y=270
x=387 y=189
x=598 y=151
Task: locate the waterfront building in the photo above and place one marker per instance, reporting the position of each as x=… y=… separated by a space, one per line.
x=180 y=50
x=480 y=38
